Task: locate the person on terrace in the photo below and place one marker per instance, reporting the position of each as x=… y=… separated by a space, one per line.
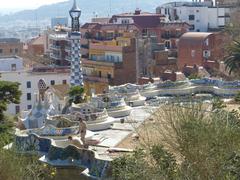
x=75 y=141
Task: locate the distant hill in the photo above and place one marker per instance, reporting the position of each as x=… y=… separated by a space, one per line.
x=88 y=7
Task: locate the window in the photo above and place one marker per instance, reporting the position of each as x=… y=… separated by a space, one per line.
x=192 y=27
x=29 y=107
x=118 y=59
x=206 y=54
x=193 y=52
x=17 y=109
x=52 y=82
x=64 y=81
x=191 y=17
x=125 y=21
x=206 y=42
x=109 y=76
x=11 y=51
x=1 y=51
x=29 y=96
x=13 y=67
x=100 y=74
x=167 y=44
x=16 y=50
x=28 y=84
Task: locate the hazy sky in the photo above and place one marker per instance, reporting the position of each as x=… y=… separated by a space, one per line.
x=25 y=4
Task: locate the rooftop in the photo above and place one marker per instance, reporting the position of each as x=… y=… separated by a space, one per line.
x=59 y=36
x=110 y=26
x=37 y=41
x=61 y=90
x=47 y=69
x=3 y=58
x=9 y=40
x=195 y=36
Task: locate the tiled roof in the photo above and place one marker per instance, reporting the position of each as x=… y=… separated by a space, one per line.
x=193 y=38
x=37 y=41
x=106 y=27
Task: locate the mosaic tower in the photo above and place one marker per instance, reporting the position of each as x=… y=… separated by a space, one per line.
x=75 y=36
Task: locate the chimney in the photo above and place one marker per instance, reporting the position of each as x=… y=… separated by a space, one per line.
x=137 y=12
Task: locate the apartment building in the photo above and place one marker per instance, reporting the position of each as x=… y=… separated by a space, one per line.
x=201 y=49
x=110 y=63
x=201 y=16
x=60 y=47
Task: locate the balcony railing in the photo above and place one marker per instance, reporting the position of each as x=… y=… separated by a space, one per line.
x=95 y=79
x=67 y=48
x=55 y=47
x=68 y=58
x=55 y=56
x=169 y=36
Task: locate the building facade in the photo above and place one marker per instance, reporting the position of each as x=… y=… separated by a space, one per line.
x=11 y=47
x=36 y=45
x=59 y=48
x=228 y=2
x=202 y=16
x=11 y=63
x=110 y=63
x=28 y=80
x=200 y=49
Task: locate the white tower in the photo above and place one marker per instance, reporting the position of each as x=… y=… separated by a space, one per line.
x=75 y=36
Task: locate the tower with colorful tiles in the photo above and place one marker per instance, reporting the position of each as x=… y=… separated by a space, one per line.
x=75 y=37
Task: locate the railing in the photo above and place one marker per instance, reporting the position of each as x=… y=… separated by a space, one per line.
x=55 y=56
x=96 y=79
x=169 y=36
x=67 y=58
x=55 y=47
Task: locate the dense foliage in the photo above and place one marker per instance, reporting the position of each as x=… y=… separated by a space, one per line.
x=185 y=142
x=232 y=61
x=9 y=93
x=14 y=166
x=76 y=95
x=237 y=98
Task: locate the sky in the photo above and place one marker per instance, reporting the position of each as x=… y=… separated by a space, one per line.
x=15 y=5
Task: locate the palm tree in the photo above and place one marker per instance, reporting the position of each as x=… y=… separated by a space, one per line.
x=232 y=61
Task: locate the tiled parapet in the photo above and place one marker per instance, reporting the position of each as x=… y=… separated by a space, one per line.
x=73 y=156
x=32 y=144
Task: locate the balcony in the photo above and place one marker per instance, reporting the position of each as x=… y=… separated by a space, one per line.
x=102 y=47
x=55 y=47
x=55 y=56
x=95 y=79
x=68 y=58
x=67 y=49
x=169 y=36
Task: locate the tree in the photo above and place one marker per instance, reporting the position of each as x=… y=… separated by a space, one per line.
x=237 y=97
x=232 y=61
x=218 y=104
x=9 y=93
x=204 y=144
x=76 y=95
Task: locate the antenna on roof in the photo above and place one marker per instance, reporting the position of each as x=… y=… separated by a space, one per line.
x=110 y=8
x=137 y=5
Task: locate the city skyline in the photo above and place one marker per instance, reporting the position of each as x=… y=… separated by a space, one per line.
x=16 y=5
